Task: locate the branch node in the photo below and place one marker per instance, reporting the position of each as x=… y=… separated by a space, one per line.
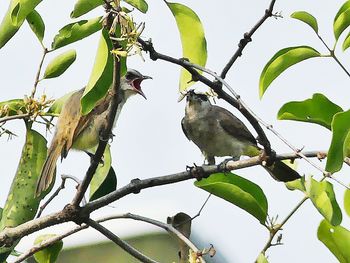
x=135 y=185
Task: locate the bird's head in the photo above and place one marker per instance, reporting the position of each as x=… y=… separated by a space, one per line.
x=131 y=83
x=197 y=102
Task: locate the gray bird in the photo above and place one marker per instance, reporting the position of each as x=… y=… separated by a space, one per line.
x=217 y=132
x=82 y=132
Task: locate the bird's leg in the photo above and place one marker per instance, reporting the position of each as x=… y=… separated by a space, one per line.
x=196 y=171
x=223 y=165
x=268 y=160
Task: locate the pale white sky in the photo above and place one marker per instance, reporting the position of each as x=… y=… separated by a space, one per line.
x=149 y=139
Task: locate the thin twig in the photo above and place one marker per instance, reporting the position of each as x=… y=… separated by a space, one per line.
x=247 y=38
x=122 y=244
x=37 y=78
x=201 y=209
x=14 y=117
x=277 y=228
x=53 y=240
x=167 y=227
x=64 y=177
x=332 y=55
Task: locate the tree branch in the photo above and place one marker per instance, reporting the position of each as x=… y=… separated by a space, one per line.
x=246 y=39
x=46 y=243
x=76 y=214
x=129 y=249
x=105 y=135
x=14 y=117
x=216 y=86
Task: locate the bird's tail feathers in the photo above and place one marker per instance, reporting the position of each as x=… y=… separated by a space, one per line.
x=48 y=170
x=282 y=172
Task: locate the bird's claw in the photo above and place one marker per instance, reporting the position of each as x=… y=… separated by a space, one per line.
x=196 y=171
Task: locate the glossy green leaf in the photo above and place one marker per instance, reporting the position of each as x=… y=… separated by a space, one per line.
x=281 y=61
x=194 y=44
x=347 y=201
x=101 y=76
x=338 y=149
x=261 y=259
x=238 y=191
x=346 y=43
x=336 y=239
x=141 y=5
x=306 y=18
x=56 y=107
x=1 y=213
x=323 y=198
x=341 y=20
x=49 y=254
x=82 y=7
x=12 y=107
x=21 y=204
x=76 y=31
x=104 y=180
x=60 y=64
x=21 y=9
x=319 y=109
x=298 y=184
x=37 y=25
x=14 y=18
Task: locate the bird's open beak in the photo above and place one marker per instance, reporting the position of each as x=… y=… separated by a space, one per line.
x=137 y=85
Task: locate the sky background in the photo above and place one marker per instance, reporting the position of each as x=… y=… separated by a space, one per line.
x=150 y=141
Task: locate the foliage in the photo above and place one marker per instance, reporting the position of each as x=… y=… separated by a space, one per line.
x=120 y=38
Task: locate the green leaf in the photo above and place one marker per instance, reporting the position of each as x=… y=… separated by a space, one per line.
x=347 y=201
x=261 y=259
x=281 y=61
x=14 y=18
x=12 y=107
x=141 y=5
x=21 y=9
x=104 y=180
x=306 y=18
x=194 y=44
x=82 y=7
x=49 y=254
x=341 y=20
x=76 y=31
x=336 y=239
x=322 y=196
x=319 y=109
x=238 y=191
x=37 y=25
x=56 y=107
x=21 y=204
x=60 y=64
x=101 y=76
x=338 y=149
x=346 y=43
x=298 y=184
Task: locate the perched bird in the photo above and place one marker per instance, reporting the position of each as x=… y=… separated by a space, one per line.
x=217 y=132
x=82 y=132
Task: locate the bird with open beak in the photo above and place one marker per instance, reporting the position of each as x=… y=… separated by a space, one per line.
x=82 y=132
x=217 y=132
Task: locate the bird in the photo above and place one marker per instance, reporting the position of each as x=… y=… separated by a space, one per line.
x=82 y=132
x=217 y=133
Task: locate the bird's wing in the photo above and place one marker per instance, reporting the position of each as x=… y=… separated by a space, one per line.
x=69 y=120
x=85 y=120
x=185 y=127
x=232 y=125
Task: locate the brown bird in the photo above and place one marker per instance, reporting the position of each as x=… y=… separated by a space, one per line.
x=82 y=132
